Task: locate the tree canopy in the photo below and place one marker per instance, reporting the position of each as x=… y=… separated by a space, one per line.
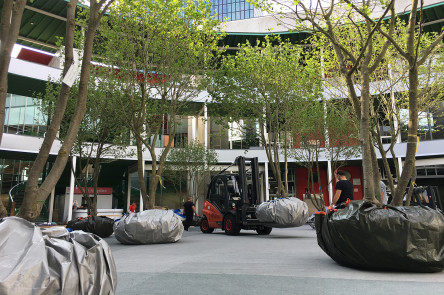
x=158 y=51
x=267 y=83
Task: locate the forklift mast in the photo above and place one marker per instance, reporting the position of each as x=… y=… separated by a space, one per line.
x=249 y=193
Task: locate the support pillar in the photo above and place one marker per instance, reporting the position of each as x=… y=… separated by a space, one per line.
x=267 y=186
x=51 y=206
x=330 y=182
x=128 y=192
x=193 y=129
x=205 y=126
x=71 y=187
x=140 y=191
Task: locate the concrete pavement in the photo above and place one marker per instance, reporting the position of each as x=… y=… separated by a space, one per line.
x=288 y=261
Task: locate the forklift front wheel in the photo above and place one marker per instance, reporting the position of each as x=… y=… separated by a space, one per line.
x=231 y=227
x=205 y=226
x=264 y=231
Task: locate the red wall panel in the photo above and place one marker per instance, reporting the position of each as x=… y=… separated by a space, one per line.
x=302 y=183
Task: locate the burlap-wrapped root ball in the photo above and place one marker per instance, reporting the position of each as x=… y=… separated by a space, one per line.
x=149 y=227
x=56 y=262
x=365 y=236
x=284 y=212
x=98 y=225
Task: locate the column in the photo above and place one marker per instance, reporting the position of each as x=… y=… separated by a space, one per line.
x=330 y=182
x=51 y=205
x=140 y=184
x=267 y=186
x=128 y=196
x=193 y=129
x=71 y=187
x=205 y=126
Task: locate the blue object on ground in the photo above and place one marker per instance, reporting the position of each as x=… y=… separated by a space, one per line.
x=177 y=211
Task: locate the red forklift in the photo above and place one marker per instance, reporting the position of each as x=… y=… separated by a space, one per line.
x=232 y=200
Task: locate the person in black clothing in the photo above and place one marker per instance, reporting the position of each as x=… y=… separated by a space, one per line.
x=189 y=210
x=344 y=188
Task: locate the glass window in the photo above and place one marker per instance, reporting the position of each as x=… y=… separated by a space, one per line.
x=42 y=118
x=420 y=172
x=18 y=100
x=6 y=116
x=30 y=115
x=430 y=124
x=14 y=116
x=219 y=187
x=24 y=116
x=431 y=171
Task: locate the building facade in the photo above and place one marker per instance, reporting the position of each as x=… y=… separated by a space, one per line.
x=25 y=125
x=234 y=10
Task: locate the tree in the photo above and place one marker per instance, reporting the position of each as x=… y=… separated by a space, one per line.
x=391 y=99
x=36 y=194
x=102 y=136
x=263 y=84
x=356 y=67
x=11 y=18
x=415 y=56
x=323 y=128
x=158 y=53
x=190 y=161
x=355 y=61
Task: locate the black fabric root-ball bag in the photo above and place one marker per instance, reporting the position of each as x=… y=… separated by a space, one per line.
x=365 y=236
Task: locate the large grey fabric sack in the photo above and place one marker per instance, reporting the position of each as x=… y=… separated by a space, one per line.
x=54 y=231
x=149 y=227
x=62 y=263
x=284 y=212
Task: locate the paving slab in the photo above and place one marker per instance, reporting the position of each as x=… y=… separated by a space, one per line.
x=288 y=261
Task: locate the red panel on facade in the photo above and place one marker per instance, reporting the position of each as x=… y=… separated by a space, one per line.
x=302 y=182
x=34 y=56
x=100 y=190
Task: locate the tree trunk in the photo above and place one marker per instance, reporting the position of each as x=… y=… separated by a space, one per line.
x=35 y=196
x=396 y=162
x=3 y=212
x=286 y=164
x=376 y=175
x=95 y=182
x=387 y=167
x=153 y=187
x=156 y=172
x=140 y=173
x=29 y=207
x=409 y=163
x=367 y=165
x=11 y=18
x=272 y=152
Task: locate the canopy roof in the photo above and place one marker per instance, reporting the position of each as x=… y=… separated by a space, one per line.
x=45 y=20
